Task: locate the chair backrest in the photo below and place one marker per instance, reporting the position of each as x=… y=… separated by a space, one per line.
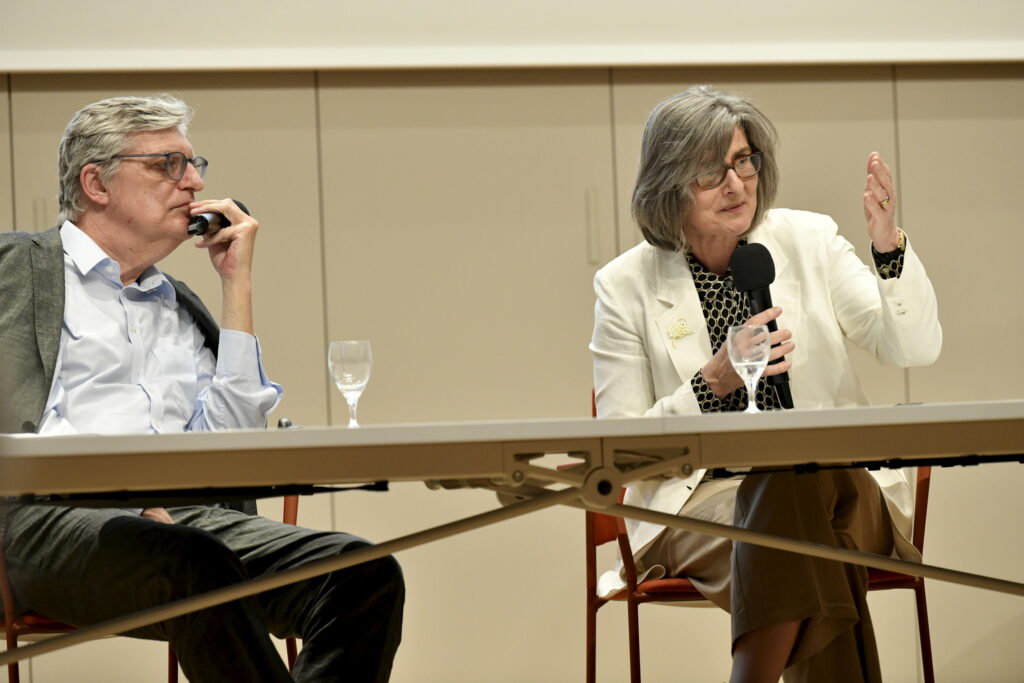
x=924 y=480
x=607 y=527
x=602 y=528
x=6 y=594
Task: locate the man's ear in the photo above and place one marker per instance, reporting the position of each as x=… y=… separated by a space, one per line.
x=93 y=187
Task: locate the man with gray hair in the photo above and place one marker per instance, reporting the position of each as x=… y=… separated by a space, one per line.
x=97 y=339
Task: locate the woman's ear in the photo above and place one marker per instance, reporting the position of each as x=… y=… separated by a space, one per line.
x=93 y=187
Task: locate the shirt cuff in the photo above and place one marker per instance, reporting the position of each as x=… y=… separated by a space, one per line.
x=706 y=399
x=889 y=265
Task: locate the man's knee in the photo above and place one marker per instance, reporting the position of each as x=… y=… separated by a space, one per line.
x=384 y=573
x=389 y=574
x=377 y=584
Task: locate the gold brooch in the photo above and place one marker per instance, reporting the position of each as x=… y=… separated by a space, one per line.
x=678 y=330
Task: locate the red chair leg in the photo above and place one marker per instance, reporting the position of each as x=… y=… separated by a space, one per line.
x=591 y=641
x=13 y=675
x=172 y=665
x=634 y=641
x=293 y=651
x=925 y=634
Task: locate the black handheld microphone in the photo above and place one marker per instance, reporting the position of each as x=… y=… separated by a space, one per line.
x=752 y=271
x=203 y=223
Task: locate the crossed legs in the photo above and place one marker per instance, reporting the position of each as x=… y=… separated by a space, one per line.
x=806 y=615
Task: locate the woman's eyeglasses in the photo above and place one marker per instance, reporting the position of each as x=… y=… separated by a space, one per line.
x=745 y=167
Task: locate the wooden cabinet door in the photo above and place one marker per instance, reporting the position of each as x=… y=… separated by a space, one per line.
x=465 y=215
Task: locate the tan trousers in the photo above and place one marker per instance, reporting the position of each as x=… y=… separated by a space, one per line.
x=760 y=586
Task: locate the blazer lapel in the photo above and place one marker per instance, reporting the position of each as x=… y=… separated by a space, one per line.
x=48 y=297
x=200 y=314
x=681 y=327
x=786 y=290
x=779 y=257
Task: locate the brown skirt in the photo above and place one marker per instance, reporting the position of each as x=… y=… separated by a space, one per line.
x=760 y=586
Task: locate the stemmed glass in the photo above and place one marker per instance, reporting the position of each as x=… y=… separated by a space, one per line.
x=350 y=363
x=749 y=348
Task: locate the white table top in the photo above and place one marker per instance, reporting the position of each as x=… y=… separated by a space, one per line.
x=65 y=464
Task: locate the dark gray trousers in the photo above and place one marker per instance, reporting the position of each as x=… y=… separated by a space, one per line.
x=83 y=566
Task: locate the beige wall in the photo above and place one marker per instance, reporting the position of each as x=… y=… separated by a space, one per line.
x=956 y=126
x=456 y=218
x=456 y=236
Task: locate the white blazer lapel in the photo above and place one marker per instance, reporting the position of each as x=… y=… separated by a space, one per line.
x=786 y=290
x=681 y=329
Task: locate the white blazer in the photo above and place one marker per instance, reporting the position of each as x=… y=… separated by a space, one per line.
x=642 y=366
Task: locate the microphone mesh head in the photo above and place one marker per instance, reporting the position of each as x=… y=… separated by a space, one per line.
x=752 y=267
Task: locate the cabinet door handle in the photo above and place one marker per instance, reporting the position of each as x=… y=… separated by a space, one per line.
x=593 y=234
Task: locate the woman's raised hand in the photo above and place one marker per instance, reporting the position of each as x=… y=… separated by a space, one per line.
x=880 y=205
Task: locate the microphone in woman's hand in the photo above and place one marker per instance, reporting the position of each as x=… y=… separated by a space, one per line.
x=211 y=222
x=752 y=271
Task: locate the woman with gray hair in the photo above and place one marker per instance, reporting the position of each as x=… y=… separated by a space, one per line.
x=707 y=181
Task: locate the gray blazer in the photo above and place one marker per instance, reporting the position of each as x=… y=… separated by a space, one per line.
x=31 y=314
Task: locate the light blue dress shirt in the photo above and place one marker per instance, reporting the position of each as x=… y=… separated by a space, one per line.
x=132 y=360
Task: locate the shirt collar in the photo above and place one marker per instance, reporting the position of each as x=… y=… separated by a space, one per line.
x=707 y=282
x=83 y=252
x=88 y=256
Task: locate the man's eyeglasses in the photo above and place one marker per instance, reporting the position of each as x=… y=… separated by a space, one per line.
x=174 y=162
x=746 y=167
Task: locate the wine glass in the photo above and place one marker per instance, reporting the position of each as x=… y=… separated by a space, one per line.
x=349 y=363
x=749 y=348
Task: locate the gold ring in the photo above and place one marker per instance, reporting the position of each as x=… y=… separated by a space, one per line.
x=884 y=201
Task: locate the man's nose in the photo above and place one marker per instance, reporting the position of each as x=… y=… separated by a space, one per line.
x=191 y=180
